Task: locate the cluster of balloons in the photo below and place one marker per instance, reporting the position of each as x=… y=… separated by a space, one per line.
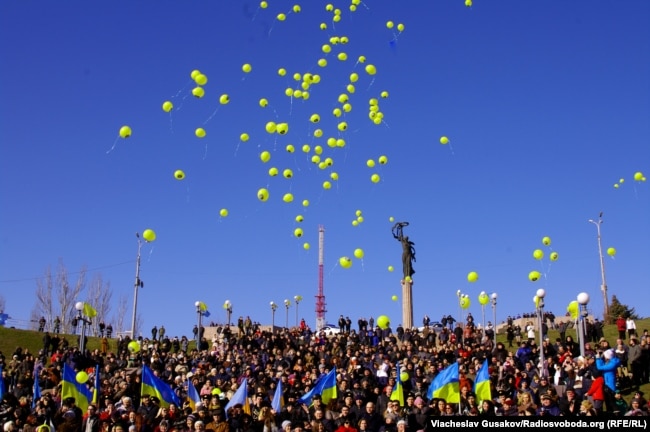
x=346 y=261
x=638 y=177
x=358 y=218
x=538 y=254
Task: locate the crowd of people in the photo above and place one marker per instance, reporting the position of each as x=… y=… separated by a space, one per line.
x=366 y=361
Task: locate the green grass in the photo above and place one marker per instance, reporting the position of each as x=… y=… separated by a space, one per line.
x=10 y=339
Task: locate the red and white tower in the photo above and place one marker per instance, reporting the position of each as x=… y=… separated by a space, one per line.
x=320 y=296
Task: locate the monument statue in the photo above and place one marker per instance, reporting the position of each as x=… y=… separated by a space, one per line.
x=408 y=249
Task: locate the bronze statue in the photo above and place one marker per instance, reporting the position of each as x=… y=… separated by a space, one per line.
x=408 y=249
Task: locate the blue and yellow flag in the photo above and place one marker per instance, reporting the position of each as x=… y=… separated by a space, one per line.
x=240 y=397
x=204 y=309
x=445 y=385
x=89 y=311
x=72 y=388
x=398 y=390
x=325 y=386
x=154 y=386
x=278 y=399
x=193 y=395
x=482 y=383
x=96 y=387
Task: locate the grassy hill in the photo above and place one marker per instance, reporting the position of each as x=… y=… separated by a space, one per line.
x=10 y=339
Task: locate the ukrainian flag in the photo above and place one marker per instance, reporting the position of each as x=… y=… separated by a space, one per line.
x=154 y=386
x=278 y=399
x=96 y=387
x=240 y=397
x=71 y=388
x=193 y=395
x=445 y=385
x=204 y=309
x=482 y=383
x=324 y=386
x=398 y=390
x=89 y=311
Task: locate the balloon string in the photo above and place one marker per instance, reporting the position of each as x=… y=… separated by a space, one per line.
x=113 y=146
x=150 y=253
x=211 y=115
x=205 y=154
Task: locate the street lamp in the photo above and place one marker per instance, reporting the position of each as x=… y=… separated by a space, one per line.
x=274 y=307
x=82 y=341
x=287 y=304
x=228 y=307
x=199 y=314
x=494 y=315
x=583 y=299
x=603 y=287
x=297 y=299
x=539 y=305
x=138 y=284
x=483 y=300
x=460 y=309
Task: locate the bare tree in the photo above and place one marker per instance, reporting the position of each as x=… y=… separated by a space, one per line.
x=99 y=296
x=121 y=313
x=68 y=294
x=44 y=305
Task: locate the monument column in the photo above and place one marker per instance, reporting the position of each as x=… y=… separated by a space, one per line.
x=407 y=303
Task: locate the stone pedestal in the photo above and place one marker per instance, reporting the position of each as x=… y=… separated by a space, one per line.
x=407 y=304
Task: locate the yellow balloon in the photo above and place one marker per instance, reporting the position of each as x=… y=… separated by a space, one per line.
x=573 y=309
x=390 y=24
x=315 y=118
x=327 y=185
x=355 y=223
x=358 y=253
x=358 y=213
x=281 y=17
x=483 y=298
x=296 y=8
x=282 y=128
x=326 y=48
x=201 y=79
x=199 y=132
x=244 y=137
x=638 y=176
x=345 y=262
x=167 y=106
x=125 y=132
x=247 y=67
x=334 y=176
x=300 y=218
x=538 y=254
x=615 y=185
x=343 y=126
x=383 y=322
x=465 y=302
x=371 y=69
x=383 y=160
x=264 y=102
x=287 y=173
x=149 y=235
x=323 y=26
x=224 y=99
x=444 y=140
x=342 y=56
x=534 y=276
x=360 y=219
x=263 y=194
x=82 y=377
x=611 y=251
x=472 y=276
x=362 y=59
x=554 y=256
x=198 y=92
x=336 y=18
x=305 y=246
x=391 y=268
x=306 y=148
x=354 y=77
x=223 y=212
x=282 y=71
x=290 y=148
x=179 y=175
x=391 y=219
x=384 y=94
x=305 y=203
x=375 y=178
x=264 y=4
x=347 y=107
x=288 y=197
x=394 y=298
x=546 y=241
x=468 y=3
x=322 y=62
x=195 y=73
x=273 y=171
x=265 y=156
x=271 y=127
x=318 y=133
x=400 y=27
x=337 y=112
x=329 y=7
x=298 y=232
x=133 y=347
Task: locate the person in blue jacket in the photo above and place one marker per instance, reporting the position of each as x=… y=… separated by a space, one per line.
x=607 y=363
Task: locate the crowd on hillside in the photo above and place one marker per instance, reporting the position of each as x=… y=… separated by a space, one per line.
x=365 y=358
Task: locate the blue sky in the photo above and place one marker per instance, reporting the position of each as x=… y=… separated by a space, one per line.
x=546 y=106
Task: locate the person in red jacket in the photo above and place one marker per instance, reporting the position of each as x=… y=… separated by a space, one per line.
x=597 y=391
x=621 y=326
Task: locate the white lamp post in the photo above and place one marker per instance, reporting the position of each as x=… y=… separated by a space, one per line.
x=297 y=299
x=494 y=315
x=227 y=305
x=539 y=303
x=603 y=287
x=274 y=307
x=79 y=306
x=583 y=299
x=199 y=314
x=287 y=305
x=138 y=284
